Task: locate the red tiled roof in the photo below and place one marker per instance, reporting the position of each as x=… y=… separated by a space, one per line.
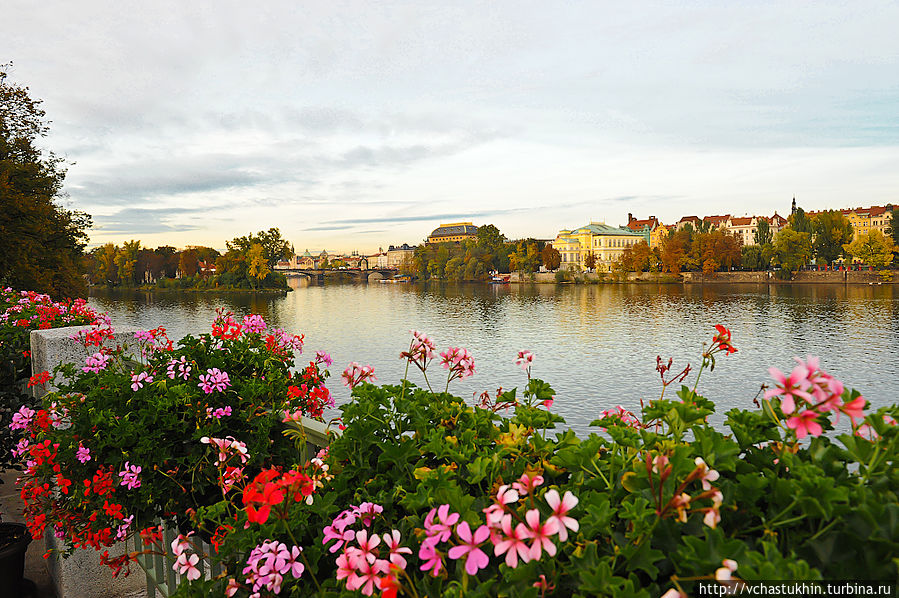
x=689 y=219
x=716 y=220
x=742 y=221
x=635 y=224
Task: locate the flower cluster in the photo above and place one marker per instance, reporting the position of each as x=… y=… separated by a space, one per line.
x=808 y=393
x=267 y=565
x=215 y=380
x=459 y=362
x=421 y=350
x=681 y=503
x=524 y=360
x=354 y=374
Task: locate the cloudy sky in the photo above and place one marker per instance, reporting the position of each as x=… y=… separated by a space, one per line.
x=354 y=125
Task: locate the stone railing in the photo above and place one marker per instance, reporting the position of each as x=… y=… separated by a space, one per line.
x=81 y=575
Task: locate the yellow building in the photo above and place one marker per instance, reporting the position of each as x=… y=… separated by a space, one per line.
x=864 y=220
x=455 y=232
x=605 y=242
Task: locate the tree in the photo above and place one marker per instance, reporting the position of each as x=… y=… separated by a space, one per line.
x=526 y=257
x=590 y=260
x=763 y=234
x=832 y=231
x=873 y=248
x=188 y=262
x=43 y=243
x=552 y=259
x=893 y=229
x=794 y=249
x=126 y=260
x=273 y=246
x=674 y=250
x=799 y=222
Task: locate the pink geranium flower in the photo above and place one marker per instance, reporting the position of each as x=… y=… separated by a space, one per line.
x=511 y=543
x=854 y=408
x=83 y=454
x=442 y=529
x=137 y=380
x=804 y=423
x=789 y=387
x=392 y=541
x=433 y=561
x=561 y=507
x=540 y=532
x=477 y=559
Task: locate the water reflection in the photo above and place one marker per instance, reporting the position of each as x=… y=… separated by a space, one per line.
x=596 y=344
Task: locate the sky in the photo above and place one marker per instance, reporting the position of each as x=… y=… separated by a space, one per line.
x=358 y=125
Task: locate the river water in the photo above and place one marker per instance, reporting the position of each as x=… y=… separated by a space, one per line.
x=595 y=344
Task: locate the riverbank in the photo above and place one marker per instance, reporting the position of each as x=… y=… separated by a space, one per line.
x=803 y=277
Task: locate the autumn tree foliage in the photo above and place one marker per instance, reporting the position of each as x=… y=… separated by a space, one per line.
x=872 y=248
x=552 y=258
x=43 y=242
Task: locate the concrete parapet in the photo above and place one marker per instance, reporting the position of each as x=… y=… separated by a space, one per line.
x=81 y=575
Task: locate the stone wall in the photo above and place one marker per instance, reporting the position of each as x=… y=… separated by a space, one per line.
x=80 y=575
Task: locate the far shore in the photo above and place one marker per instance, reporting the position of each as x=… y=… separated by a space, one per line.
x=853 y=277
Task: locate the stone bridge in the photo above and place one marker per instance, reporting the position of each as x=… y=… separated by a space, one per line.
x=319 y=275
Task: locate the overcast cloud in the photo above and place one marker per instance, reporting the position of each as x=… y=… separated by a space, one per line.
x=192 y=123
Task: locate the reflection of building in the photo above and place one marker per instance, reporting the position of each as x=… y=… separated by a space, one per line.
x=453 y=233
x=400 y=257
x=605 y=242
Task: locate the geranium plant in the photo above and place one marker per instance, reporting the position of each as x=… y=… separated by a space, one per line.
x=424 y=494
x=153 y=430
x=20 y=313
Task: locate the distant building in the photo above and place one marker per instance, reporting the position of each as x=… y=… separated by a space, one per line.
x=605 y=242
x=378 y=260
x=652 y=230
x=691 y=220
x=453 y=233
x=400 y=257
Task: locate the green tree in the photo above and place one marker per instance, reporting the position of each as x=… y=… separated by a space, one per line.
x=763 y=234
x=893 y=229
x=831 y=232
x=794 y=249
x=43 y=243
x=751 y=258
x=800 y=223
x=274 y=247
x=873 y=248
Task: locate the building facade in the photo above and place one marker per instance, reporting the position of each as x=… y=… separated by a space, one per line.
x=605 y=242
x=399 y=257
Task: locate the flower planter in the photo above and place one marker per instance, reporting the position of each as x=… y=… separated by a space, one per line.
x=14 y=540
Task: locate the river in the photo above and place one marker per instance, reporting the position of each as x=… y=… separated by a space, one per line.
x=596 y=344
